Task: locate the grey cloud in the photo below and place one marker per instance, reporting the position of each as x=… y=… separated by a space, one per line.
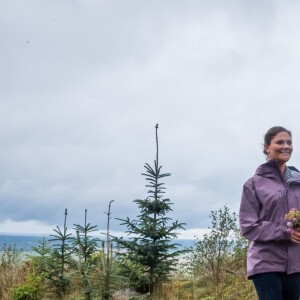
x=83 y=84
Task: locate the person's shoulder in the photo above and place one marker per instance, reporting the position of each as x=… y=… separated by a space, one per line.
x=266 y=168
x=250 y=181
x=295 y=174
x=262 y=170
x=292 y=168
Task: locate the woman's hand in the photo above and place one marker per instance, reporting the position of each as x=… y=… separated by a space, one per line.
x=295 y=236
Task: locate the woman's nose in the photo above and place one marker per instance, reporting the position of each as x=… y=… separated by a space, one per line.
x=287 y=145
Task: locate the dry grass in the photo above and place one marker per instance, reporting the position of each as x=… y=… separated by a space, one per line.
x=12 y=275
x=14 y=271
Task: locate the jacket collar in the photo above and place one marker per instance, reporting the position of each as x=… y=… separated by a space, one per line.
x=270 y=169
x=295 y=175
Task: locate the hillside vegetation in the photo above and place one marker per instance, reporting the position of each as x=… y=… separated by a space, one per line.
x=148 y=264
x=83 y=267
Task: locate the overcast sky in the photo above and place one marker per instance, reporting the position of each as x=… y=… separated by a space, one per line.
x=83 y=83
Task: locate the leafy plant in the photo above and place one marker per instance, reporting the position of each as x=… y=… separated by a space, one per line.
x=216 y=253
x=11 y=269
x=31 y=290
x=10 y=256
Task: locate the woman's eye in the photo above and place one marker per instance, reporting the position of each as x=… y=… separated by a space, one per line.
x=283 y=142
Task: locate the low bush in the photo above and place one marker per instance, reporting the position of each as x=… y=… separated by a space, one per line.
x=31 y=290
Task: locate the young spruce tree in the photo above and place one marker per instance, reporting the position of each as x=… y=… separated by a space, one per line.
x=61 y=260
x=150 y=235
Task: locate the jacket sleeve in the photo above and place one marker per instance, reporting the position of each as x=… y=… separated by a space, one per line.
x=252 y=226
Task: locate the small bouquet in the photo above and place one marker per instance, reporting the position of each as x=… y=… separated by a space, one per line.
x=293 y=219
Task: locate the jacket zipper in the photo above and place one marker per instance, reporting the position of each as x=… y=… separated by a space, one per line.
x=286 y=207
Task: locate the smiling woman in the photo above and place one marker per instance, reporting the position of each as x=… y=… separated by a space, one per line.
x=278 y=146
x=273 y=259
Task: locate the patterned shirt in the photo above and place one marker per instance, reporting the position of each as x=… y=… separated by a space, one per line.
x=287 y=174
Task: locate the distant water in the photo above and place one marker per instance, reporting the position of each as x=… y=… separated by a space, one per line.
x=25 y=243
x=21 y=242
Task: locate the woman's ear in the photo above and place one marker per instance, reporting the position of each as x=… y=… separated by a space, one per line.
x=266 y=150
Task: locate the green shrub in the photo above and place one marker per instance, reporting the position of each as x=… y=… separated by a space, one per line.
x=30 y=290
x=10 y=256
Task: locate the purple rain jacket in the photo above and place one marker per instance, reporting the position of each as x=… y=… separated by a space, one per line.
x=265 y=200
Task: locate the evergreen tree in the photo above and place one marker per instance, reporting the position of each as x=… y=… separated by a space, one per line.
x=84 y=245
x=150 y=235
x=61 y=259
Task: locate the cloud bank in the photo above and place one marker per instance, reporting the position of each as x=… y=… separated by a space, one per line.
x=84 y=83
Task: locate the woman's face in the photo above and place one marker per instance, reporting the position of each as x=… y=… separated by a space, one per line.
x=280 y=148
